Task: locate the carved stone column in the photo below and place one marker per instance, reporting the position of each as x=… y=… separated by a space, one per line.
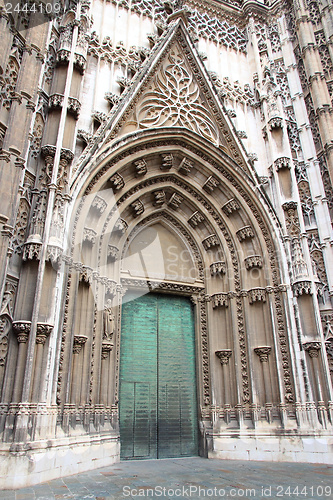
x=263 y=352
x=22 y=330
x=313 y=349
x=43 y=331
x=104 y=384
x=224 y=355
x=79 y=341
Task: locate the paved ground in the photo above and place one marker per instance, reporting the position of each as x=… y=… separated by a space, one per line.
x=189 y=478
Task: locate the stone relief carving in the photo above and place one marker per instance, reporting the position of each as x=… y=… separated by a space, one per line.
x=108 y=321
x=174 y=100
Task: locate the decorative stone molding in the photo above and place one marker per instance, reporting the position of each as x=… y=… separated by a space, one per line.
x=117 y=181
x=89 y=235
x=166 y=161
x=211 y=241
x=210 y=184
x=244 y=233
x=43 y=331
x=220 y=300
x=175 y=201
x=230 y=206
x=112 y=98
x=137 y=208
x=241 y=134
x=312 y=348
x=99 y=116
x=195 y=219
x=161 y=286
x=140 y=167
x=224 y=355
x=282 y=163
x=218 y=268
x=22 y=330
x=78 y=343
x=302 y=288
x=185 y=166
x=113 y=252
x=263 y=352
x=84 y=136
x=99 y=204
x=253 y=261
x=257 y=295
x=123 y=83
x=159 y=198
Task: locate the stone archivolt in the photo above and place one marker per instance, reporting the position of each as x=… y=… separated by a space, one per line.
x=167 y=155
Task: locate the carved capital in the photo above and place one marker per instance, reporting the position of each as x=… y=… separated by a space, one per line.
x=257 y=295
x=185 y=166
x=113 y=252
x=220 y=300
x=99 y=204
x=43 y=331
x=89 y=235
x=210 y=184
x=166 y=161
x=106 y=348
x=230 y=207
x=22 y=330
x=159 y=198
x=218 y=268
x=140 y=167
x=79 y=341
x=137 y=208
x=175 y=201
x=253 y=261
x=211 y=241
x=282 y=163
x=302 y=288
x=263 y=352
x=244 y=233
x=117 y=181
x=195 y=219
x=224 y=355
x=312 y=348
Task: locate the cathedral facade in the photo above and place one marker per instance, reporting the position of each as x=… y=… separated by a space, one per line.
x=166 y=233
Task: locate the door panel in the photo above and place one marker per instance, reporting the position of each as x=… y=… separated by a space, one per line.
x=157 y=378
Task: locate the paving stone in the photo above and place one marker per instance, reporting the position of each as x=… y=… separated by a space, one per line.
x=193 y=478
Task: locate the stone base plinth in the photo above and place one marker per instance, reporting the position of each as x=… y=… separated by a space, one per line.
x=294 y=448
x=40 y=461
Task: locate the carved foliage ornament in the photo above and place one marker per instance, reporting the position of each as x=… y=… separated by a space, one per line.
x=173 y=99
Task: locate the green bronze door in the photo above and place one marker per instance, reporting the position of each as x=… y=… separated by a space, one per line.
x=157 y=401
